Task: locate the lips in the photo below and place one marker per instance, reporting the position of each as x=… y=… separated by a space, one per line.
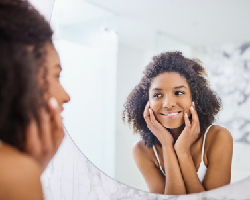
x=171 y=115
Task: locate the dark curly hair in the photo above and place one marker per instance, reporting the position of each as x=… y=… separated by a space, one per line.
x=206 y=101
x=27 y=32
x=20 y=94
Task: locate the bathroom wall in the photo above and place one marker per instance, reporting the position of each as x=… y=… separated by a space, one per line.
x=228 y=68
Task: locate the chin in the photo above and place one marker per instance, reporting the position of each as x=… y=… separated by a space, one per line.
x=173 y=124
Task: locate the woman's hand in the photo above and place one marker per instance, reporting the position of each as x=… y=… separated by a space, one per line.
x=163 y=135
x=43 y=141
x=189 y=134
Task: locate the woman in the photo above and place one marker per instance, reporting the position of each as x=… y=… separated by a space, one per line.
x=31 y=100
x=173 y=109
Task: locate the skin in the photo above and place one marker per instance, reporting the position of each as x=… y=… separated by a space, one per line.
x=180 y=150
x=41 y=144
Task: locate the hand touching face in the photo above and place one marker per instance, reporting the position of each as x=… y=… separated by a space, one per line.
x=43 y=138
x=190 y=133
x=170 y=98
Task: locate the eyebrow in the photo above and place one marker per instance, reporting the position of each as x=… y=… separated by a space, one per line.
x=181 y=86
x=156 y=89
x=178 y=87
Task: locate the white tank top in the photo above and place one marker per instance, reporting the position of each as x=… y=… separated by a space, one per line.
x=202 y=168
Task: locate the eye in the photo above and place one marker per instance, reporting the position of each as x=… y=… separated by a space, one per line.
x=157 y=95
x=179 y=93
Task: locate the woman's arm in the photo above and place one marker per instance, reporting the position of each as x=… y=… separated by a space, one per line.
x=173 y=182
x=192 y=182
x=219 y=159
x=218 y=171
x=182 y=148
x=156 y=181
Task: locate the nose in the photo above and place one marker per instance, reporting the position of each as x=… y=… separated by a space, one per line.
x=66 y=97
x=169 y=101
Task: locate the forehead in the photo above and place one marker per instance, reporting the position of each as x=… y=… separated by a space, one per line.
x=52 y=57
x=169 y=80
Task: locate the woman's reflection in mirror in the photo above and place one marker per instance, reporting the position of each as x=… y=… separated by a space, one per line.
x=173 y=108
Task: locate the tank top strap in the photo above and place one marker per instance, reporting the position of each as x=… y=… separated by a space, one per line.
x=156 y=155
x=203 y=144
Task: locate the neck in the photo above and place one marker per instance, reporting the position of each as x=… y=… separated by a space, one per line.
x=175 y=132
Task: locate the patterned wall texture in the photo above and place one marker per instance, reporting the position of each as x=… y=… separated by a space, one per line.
x=228 y=69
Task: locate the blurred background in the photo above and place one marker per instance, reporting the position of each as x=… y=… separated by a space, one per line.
x=104 y=46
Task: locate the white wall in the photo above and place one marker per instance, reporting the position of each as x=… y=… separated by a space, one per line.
x=129 y=72
x=45 y=7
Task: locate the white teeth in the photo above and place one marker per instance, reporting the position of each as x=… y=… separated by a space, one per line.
x=172 y=114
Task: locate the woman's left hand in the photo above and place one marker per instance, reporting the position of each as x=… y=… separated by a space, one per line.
x=190 y=132
x=42 y=141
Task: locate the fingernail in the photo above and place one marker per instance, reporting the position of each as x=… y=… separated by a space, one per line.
x=192 y=108
x=53 y=102
x=193 y=103
x=186 y=115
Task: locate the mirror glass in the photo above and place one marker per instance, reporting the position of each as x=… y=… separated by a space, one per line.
x=104 y=47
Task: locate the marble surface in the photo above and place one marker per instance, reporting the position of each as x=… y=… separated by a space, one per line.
x=71 y=176
x=228 y=67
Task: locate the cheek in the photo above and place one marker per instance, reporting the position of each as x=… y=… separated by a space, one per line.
x=187 y=108
x=53 y=88
x=154 y=105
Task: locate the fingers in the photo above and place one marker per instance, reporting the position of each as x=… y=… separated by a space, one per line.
x=153 y=119
x=187 y=121
x=146 y=111
x=32 y=142
x=56 y=123
x=194 y=114
x=46 y=137
x=147 y=117
x=195 y=118
x=43 y=137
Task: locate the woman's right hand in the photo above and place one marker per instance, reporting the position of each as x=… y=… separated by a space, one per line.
x=163 y=135
x=43 y=141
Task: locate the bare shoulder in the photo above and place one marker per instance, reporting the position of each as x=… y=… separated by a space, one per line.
x=141 y=151
x=139 y=148
x=219 y=134
x=20 y=175
x=219 y=138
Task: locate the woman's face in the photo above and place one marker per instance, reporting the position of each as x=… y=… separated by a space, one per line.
x=55 y=89
x=170 y=98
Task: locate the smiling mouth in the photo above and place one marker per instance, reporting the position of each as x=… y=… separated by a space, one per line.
x=171 y=114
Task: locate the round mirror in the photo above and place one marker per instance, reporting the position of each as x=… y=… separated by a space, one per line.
x=104 y=47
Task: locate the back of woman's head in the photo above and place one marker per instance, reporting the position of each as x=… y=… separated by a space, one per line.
x=20 y=94
x=21 y=22
x=24 y=33
x=206 y=102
